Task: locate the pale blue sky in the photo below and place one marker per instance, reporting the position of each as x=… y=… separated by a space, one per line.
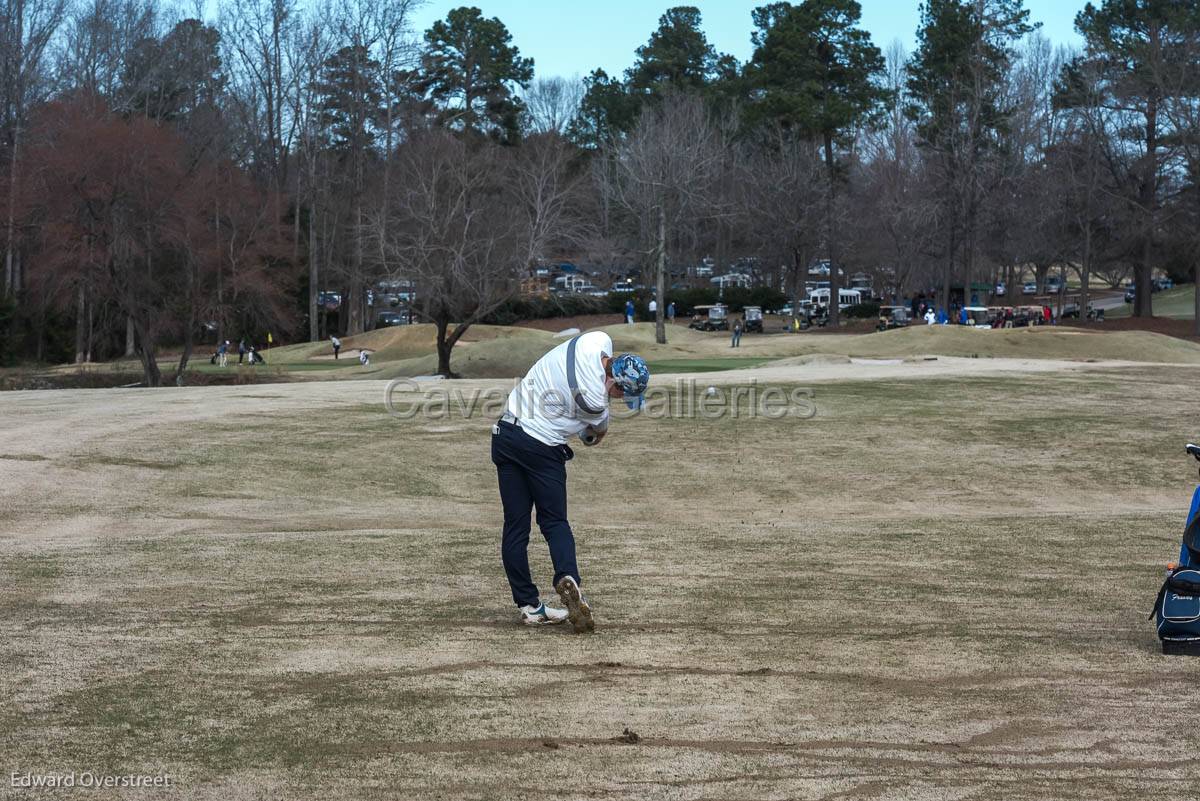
x=568 y=37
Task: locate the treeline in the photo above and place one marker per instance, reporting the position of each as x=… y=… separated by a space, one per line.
x=171 y=180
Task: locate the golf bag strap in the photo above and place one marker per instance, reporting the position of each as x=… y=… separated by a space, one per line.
x=1158 y=599
x=573 y=380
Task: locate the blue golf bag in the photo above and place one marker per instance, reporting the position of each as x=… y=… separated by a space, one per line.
x=1177 y=608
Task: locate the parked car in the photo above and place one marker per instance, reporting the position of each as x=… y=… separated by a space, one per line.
x=1130 y=292
x=892 y=317
x=387 y=319
x=1160 y=284
x=1001 y=289
x=1029 y=288
x=1054 y=285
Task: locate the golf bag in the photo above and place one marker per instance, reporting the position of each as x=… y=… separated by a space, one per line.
x=1177 y=608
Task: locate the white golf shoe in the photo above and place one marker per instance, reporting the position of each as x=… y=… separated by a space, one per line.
x=542 y=615
x=579 y=611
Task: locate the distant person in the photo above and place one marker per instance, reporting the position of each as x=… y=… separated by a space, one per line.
x=629 y=312
x=930 y=317
x=653 y=307
x=337 y=346
x=241 y=349
x=364 y=357
x=962 y=316
x=942 y=317
x=671 y=311
x=737 y=335
x=223 y=353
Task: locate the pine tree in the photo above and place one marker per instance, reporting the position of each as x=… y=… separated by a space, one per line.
x=471 y=71
x=814 y=73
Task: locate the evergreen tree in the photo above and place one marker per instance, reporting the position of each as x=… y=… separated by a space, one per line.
x=350 y=99
x=678 y=56
x=1142 y=54
x=471 y=70
x=607 y=109
x=956 y=79
x=171 y=78
x=814 y=73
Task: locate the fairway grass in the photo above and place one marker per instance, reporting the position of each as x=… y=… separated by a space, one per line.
x=931 y=589
x=1179 y=303
x=704 y=365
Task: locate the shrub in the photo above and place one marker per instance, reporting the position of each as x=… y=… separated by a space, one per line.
x=862 y=310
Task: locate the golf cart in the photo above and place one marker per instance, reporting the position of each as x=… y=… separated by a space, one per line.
x=892 y=317
x=710 y=318
x=978 y=316
x=752 y=319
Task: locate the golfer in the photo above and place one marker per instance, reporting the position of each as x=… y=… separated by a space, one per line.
x=564 y=395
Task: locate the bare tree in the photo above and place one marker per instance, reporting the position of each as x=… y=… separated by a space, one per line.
x=782 y=201
x=663 y=173
x=26 y=30
x=1183 y=111
x=311 y=45
x=891 y=183
x=466 y=221
x=257 y=34
x=552 y=103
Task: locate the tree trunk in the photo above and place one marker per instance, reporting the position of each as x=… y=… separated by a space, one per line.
x=354 y=300
x=40 y=331
x=189 y=330
x=1147 y=195
x=188 y=344
x=314 y=322
x=834 y=285
x=80 y=322
x=1196 y=302
x=969 y=256
x=948 y=267
x=130 y=342
x=146 y=351
x=660 y=326
x=11 y=279
x=445 y=344
x=1085 y=273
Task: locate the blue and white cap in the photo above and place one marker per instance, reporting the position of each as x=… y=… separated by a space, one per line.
x=631 y=375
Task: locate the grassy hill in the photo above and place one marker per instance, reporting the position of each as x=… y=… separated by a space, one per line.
x=1178 y=303
x=501 y=352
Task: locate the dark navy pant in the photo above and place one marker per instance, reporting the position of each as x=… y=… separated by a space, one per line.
x=531 y=474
